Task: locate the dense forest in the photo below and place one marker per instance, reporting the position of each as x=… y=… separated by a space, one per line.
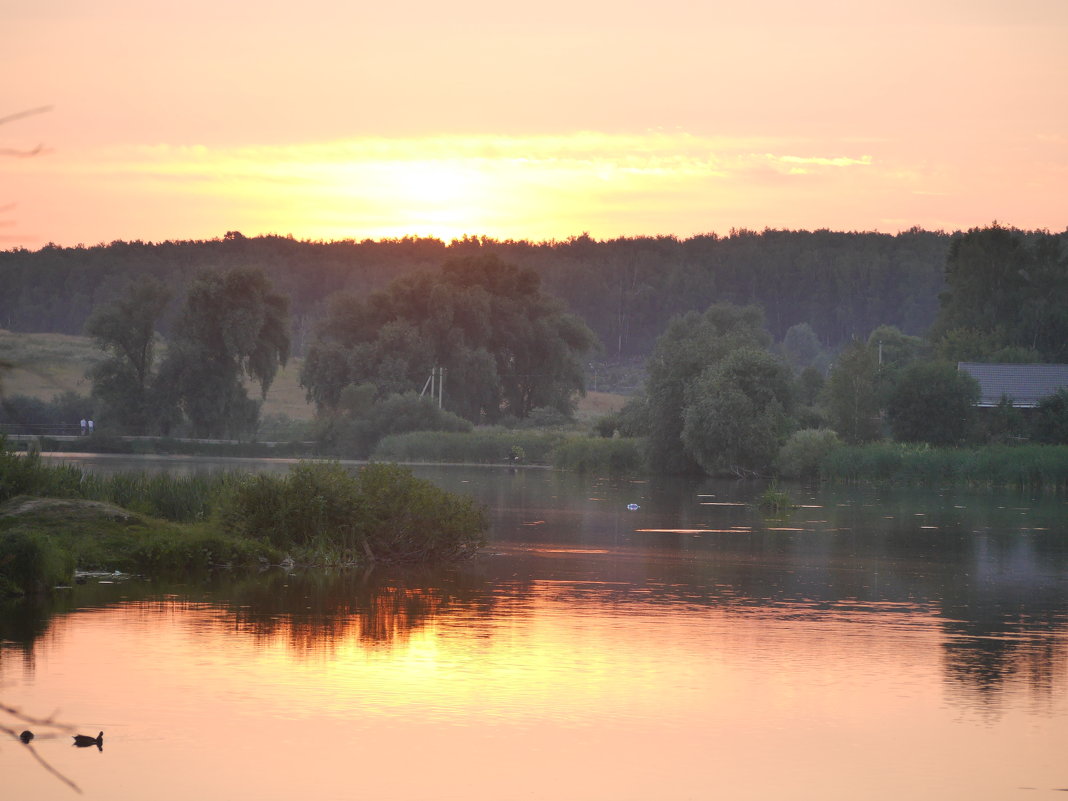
x=842 y=284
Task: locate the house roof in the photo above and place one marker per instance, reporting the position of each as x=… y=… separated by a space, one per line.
x=1024 y=384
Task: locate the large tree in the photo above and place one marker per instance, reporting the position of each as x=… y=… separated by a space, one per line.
x=125 y=329
x=507 y=348
x=233 y=326
x=852 y=394
x=691 y=344
x=737 y=413
x=932 y=402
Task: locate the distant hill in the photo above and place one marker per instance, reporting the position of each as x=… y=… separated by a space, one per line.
x=842 y=284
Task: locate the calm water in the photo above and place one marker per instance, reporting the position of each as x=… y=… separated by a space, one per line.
x=875 y=645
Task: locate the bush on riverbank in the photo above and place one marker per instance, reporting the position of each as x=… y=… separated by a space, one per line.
x=101 y=536
x=382 y=513
x=31 y=562
x=599 y=455
x=318 y=513
x=1022 y=466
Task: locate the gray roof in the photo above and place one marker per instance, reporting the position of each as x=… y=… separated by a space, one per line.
x=1024 y=384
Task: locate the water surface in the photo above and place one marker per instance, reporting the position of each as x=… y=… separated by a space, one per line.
x=875 y=645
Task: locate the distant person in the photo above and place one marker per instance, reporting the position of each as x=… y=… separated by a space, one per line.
x=90 y=426
x=85 y=427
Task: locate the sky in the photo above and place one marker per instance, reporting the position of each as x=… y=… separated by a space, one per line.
x=338 y=119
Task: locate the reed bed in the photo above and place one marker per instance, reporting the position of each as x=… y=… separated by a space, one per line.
x=482 y=446
x=179 y=498
x=620 y=456
x=1042 y=467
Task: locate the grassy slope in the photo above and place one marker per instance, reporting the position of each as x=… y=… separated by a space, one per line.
x=47 y=364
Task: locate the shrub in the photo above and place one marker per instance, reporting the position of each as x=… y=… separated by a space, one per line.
x=31 y=563
x=1050 y=425
x=356 y=436
x=932 y=402
x=775 y=502
x=805 y=451
x=408 y=519
x=383 y=512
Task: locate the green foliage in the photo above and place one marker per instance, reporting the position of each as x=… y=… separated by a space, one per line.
x=599 y=455
x=382 y=512
x=775 y=502
x=506 y=347
x=737 y=413
x=30 y=563
x=1005 y=297
x=1050 y=424
x=1003 y=424
x=805 y=451
x=356 y=437
x=125 y=329
x=692 y=343
x=1026 y=466
x=180 y=498
x=406 y=519
x=895 y=348
x=195 y=549
x=481 y=446
x=802 y=347
x=852 y=394
x=624 y=289
x=232 y=325
x=27 y=475
x=22 y=414
x=932 y=402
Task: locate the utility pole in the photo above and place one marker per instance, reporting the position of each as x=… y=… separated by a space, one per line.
x=436 y=384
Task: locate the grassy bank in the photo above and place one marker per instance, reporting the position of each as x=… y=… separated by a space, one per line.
x=53 y=518
x=1023 y=466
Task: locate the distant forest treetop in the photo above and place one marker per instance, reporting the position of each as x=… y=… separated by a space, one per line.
x=843 y=284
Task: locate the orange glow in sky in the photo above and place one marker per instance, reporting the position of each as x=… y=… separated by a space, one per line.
x=333 y=120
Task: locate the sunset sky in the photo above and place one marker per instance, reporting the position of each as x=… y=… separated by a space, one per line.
x=327 y=119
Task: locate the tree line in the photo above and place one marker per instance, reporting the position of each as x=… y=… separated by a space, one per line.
x=506 y=347
x=625 y=290
x=723 y=397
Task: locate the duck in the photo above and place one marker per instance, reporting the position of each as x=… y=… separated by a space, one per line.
x=83 y=740
x=26 y=736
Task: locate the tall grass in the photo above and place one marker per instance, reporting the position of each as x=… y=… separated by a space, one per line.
x=1022 y=466
x=382 y=513
x=599 y=455
x=319 y=512
x=179 y=498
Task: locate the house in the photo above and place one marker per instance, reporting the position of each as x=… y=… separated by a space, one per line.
x=1024 y=384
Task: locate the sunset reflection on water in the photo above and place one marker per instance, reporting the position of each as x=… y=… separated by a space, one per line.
x=551 y=688
x=849 y=653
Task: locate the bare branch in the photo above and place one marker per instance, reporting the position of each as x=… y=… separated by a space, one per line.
x=18 y=115
x=49 y=723
x=10 y=151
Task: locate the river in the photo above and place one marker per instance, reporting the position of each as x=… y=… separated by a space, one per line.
x=875 y=644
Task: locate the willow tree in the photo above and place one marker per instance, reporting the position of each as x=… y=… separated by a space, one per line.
x=506 y=347
x=233 y=326
x=125 y=330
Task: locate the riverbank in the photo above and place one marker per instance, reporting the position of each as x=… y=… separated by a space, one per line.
x=54 y=518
